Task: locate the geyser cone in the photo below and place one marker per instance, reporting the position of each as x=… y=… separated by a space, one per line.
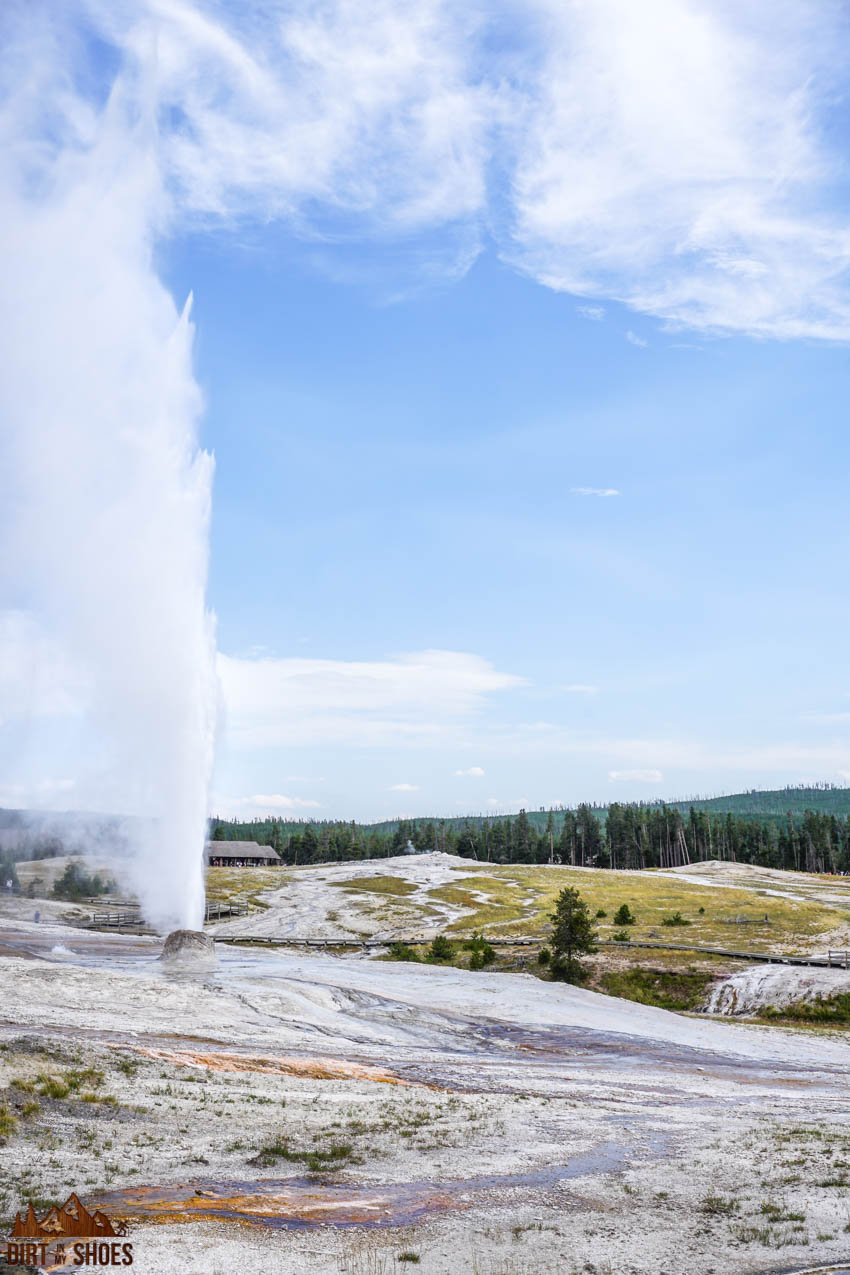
x=189 y=948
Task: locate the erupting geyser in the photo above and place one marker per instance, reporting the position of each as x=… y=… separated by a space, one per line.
x=189 y=948
x=105 y=515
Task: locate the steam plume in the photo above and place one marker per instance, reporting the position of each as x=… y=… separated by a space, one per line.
x=105 y=528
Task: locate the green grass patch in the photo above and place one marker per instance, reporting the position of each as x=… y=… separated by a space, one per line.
x=505 y=904
x=668 y=989
x=832 y=1011
x=52 y=1086
x=454 y=894
x=335 y=1157
x=8 y=1123
x=533 y=889
x=379 y=885
x=243 y=885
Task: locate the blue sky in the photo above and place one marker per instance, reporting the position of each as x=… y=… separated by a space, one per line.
x=520 y=338
x=395 y=476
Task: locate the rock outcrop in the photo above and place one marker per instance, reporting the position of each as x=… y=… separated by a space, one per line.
x=189 y=949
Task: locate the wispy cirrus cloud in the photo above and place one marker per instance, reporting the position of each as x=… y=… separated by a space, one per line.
x=634 y=339
x=475 y=772
x=596 y=313
x=403 y=788
x=676 y=156
x=594 y=491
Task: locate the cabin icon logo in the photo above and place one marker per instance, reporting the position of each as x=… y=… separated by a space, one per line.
x=69 y=1235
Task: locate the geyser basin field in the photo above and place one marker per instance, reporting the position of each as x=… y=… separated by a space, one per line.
x=294 y=1111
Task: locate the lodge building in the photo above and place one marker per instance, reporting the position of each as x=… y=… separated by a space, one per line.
x=239 y=854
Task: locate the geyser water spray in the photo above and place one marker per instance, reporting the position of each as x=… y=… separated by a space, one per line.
x=106 y=493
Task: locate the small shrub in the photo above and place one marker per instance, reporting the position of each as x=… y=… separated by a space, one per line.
x=675 y=919
x=401 y=952
x=481 y=950
x=52 y=1087
x=75 y=883
x=567 y=970
x=441 y=949
x=30 y=1109
x=776 y=1213
x=624 y=915
x=8 y=1123
x=702 y=911
x=719 y=1206
x=336 y=1157
x=409 y=1257
x=544 y=956
x=600 y=914
x=88 y=1076
x=752 y=1234
x=620 y=936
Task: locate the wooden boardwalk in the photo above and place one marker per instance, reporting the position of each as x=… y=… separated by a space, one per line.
x=833 y=959
x=130 y=918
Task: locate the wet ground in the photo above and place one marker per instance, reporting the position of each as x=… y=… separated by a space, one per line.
x=298 y=1202
x=459 y=1036
x=532 y=1096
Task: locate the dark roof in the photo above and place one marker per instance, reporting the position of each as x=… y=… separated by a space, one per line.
x=240 y=850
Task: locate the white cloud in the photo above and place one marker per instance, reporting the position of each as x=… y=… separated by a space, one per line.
x=594 y=312
x=403 y=788
x=414 y=697
x=636 y=776
x=634 y=339
x=512 y=804
x=475 y=771
x=675 y=156
x=594 y=491
x=369 y=111
x=261 y=804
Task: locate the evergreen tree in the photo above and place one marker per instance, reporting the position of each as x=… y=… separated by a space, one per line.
x=567 y=841
x=574 y=934
x=590 y=838
x=549 y=835
x=521 y=834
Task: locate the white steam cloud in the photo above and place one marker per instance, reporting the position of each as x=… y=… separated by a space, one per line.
x=105 y=525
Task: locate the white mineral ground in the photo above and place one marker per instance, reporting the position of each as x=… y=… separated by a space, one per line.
x=312 y=904
x=496 y=1123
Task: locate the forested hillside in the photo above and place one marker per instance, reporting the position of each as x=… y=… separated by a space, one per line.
x=805 y=829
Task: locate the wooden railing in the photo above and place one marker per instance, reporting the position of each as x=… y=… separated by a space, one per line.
x=117 y=919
